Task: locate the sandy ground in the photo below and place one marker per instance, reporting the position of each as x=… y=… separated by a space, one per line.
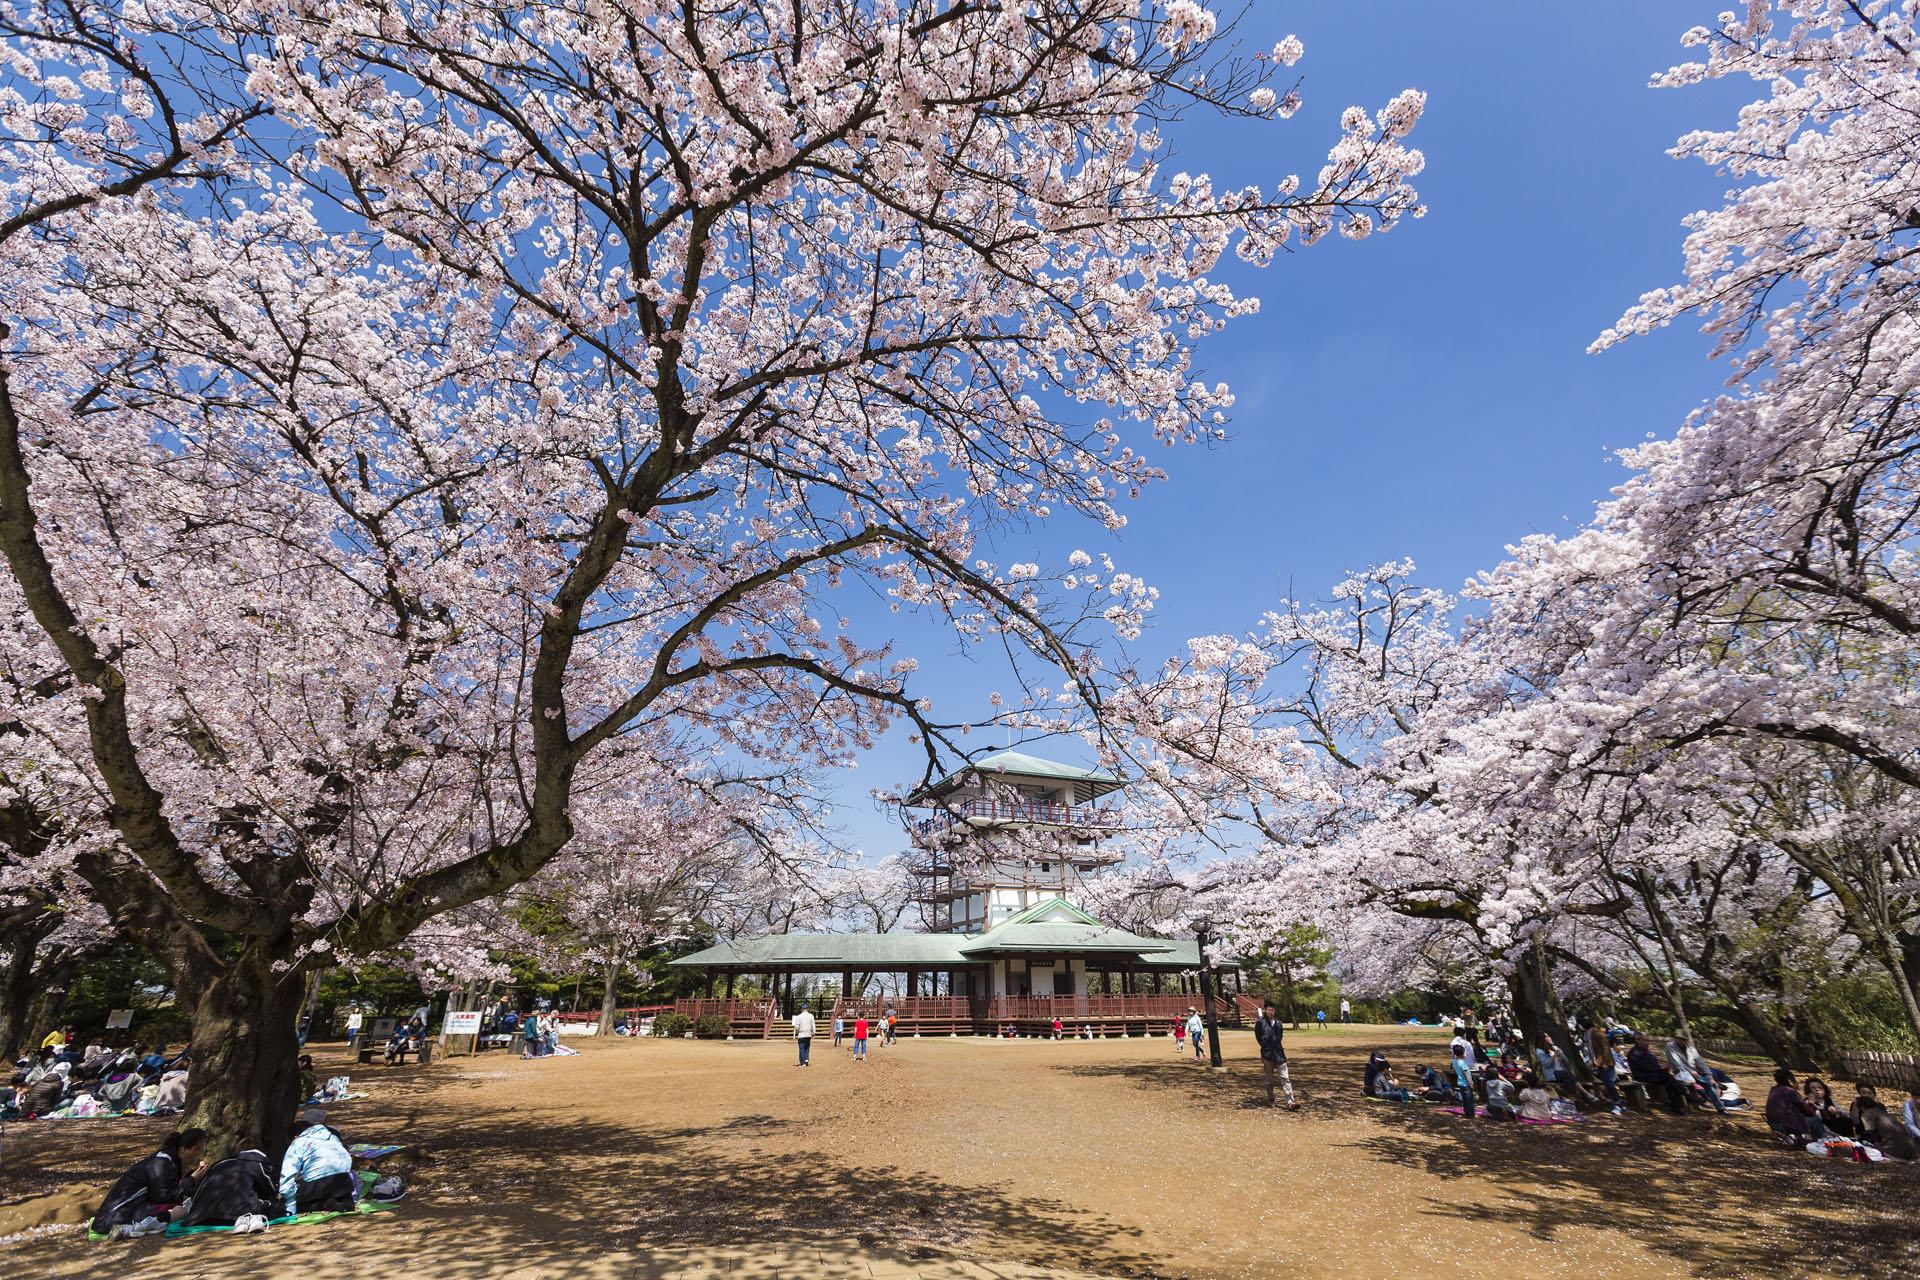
x=1109 y=1158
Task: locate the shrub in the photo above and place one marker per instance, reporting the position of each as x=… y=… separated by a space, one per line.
x=671 y=1024
x=711 y=1026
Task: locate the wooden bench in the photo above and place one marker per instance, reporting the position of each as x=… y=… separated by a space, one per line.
x=1635 y=1094
x=423 y=1052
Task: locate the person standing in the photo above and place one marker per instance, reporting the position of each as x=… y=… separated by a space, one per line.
x=355 y=1021
x=1196 y=1033
x=1180 y=1035
x=1273 y=1053
x=892 y=1020
x=1463 y=1080
x=839 y=1029
x=860 y=1038
x=1346 y=1010
x=803 y=1033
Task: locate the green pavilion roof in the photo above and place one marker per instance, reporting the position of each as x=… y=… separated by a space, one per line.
x=1020 y=764
x=1053 y=925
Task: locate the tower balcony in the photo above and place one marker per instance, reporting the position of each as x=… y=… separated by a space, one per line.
x=982 y=811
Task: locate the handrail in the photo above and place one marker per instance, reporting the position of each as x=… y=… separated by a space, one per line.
x=1044 y=812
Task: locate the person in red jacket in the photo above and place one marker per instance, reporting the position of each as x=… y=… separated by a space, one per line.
x=860 y=1039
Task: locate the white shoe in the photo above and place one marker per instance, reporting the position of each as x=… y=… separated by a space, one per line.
x=249 y=1224
x=148 y=1226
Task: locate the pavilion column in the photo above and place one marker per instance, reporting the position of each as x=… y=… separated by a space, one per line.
x=730 y=976
x=846 y=985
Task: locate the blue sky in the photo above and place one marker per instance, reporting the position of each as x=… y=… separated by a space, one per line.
x=1424 y=394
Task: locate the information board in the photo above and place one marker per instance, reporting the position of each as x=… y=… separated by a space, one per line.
x=463 y=1024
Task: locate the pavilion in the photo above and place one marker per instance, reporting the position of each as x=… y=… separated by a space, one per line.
x=1030 y=968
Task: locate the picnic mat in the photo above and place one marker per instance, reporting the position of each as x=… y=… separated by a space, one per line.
x=1455 y=1111
x=296 y=1220
x=290 y=1220
x=370 y=1151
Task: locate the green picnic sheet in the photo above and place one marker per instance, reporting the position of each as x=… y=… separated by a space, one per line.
x=298 y=1220
x=291 y=1220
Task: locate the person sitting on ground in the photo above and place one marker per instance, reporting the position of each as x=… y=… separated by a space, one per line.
x=138 y=1201
x=1535 y=1102
x=306 y=1076
x=42 y=1066
x=316 y=1174
x=241 y=1186
x=43 y=1096
x=1910 y=1111
x=1790 y=1114
x=1882 y=1129
x=13 y=1096
x=1820 y=1099
x=170 y=1096
x=1651 y=1072
x=1502 y=1103
x=1379 y=1081
x=1433 y=1085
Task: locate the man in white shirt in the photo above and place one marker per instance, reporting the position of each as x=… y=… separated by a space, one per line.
x=1346 y=1011
x=1460 y=1041
x=353 y=1028
x=803 y=1033
x=1691 y=1071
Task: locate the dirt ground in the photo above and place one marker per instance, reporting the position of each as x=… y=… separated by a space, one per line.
x=1110 y=1158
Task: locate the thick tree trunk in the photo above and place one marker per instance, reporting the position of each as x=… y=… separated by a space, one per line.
x=1773 y=1039
x=18 y=986
x=245 y=1083
x=1536 y=1007
x=609 y=996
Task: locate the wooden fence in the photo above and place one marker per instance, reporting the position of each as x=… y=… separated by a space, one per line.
x=1890 y=1070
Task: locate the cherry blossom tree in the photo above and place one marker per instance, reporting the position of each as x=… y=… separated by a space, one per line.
x=415 y=417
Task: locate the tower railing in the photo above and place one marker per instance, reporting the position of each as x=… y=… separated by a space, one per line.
x=1038 y=812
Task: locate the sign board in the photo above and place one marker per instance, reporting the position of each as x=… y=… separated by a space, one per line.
x=382 y=1028
x=463 y=1024
x=120 y=1020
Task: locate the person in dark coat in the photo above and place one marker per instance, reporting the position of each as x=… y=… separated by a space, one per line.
x=1648 y=1070
x=241 y=1184
x=154 y=1185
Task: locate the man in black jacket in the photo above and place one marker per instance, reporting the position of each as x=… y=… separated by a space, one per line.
x=1647 y=1069
x=1273 y=1057
x=236 y=1187
x=154 y=1185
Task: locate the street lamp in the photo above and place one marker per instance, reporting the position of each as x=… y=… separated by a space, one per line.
x=1203 y=935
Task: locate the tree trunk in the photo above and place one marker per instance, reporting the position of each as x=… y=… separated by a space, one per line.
x=1773 y=1041
x=245 y=1083
x=312 y=1002
x=20 y=985
x=1536 y=1007
x=609 y=996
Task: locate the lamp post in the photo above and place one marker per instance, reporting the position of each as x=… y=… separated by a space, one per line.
x=1203 y=934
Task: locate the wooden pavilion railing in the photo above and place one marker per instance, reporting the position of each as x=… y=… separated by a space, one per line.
x=991 y=1015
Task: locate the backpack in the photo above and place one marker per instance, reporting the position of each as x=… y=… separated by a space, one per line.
x=117 y=1091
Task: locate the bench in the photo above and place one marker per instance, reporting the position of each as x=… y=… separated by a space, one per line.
x=423 y=1052
x=1635 y=1094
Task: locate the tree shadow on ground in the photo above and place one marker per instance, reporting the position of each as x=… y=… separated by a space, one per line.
x=638 y=1185
x=1748 y=1205
x=514 y=1192
x=1764 y=1209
